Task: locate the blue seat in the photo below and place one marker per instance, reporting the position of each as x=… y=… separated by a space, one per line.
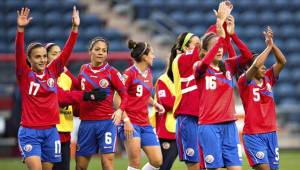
x=80 y=46
x=266 y=18
x=178 y=30
x=296 y=75
x=285 y=75
x=198 y=30
x=285 y=17
x=288 y=31
x=90 y=20
x=53 y=19
x=51 y=6
x=256 y=45
x=142 y=9
x=12 y=6
x=292 y=45
x=35 y=34
x=117 y=46
x=194 y=19
x=11 y=19
x=3 y=47
x=158 y=64
x=34 y=5
x=112 y=35
x=38 y=19
x=55 y=33
x=248 y=17
x=178 y=16
x=253 y=32
x=285 y=89
x=91 y=32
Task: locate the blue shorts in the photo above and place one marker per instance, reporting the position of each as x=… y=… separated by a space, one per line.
x=262 y=149
x=220 y=145
x=95 y=135
x=187 y=139
x=44 y=143
x=146 y=133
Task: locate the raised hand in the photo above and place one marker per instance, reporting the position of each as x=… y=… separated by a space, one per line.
x=23 y=18
x=75 y=17
x=220 y=29
x=230 y=24
x=224 y=10
x=268 y=33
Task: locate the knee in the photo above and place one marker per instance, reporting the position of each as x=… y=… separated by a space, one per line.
x=156 y=162
x=107 y=162
x=81 y=166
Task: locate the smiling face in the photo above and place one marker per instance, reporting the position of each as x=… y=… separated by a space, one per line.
x=38 y=59
x=261 y=72
x=98 y=53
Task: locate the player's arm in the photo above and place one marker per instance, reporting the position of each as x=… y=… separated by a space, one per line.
x=62 y=59
x=66 y=98
x=117 y=82
x=280 y=58
x=229 y=27
x=260 y=60
x=160 y=108
x=75 y=81
x=164 y=96
x=128 y=127
x=23 y=20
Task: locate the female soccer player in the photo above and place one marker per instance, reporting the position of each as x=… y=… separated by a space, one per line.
x=165 y=124
x=138 y=81
x=67 y=82
x=255 y=88
x=97 y=129
x=38 y=138
x=218 y=136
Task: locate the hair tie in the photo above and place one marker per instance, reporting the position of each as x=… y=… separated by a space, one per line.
x=186 y=39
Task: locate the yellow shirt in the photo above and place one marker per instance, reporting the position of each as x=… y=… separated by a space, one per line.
x=66 y=113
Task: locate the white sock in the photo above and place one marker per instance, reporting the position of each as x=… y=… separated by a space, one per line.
x=148 y=166
x=131 y=168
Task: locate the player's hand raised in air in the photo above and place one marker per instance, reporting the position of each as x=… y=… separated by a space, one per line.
x=75 y=19
x=230 y=24
x=224 y=11
x=268 y=33
x=117 y=115
x=23 y=18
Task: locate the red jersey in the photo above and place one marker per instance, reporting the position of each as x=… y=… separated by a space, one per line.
x=139 y=88
x=166 y=99
x=189 y=94
x=108 y=79
x=216 y=88
x=259 y=105
x=39 y=92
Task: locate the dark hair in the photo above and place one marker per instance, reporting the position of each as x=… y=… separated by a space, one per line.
x=97 y=39
x=171 y=59
x=138 y=49
x=33 y=46
x=48 y=46
x=205 y=41
x=180 y=41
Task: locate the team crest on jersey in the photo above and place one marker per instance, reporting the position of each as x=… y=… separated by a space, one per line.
x=190 y=152
x=228 y=75
x=161 y=93
x=166 y=145
x=260 y=155
x=28 y=148
x=50 y=82
x=209 y=159
x=269 y=88
x=103 y=83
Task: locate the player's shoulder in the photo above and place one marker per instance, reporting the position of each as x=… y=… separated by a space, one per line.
x=83 y=67
x=130 y=71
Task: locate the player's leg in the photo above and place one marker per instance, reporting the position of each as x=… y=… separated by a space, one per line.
x=150 y=145
x=231 y=147
x=30 y=148
x=210 y=141
x=107 y=161
x=169 y=152
x=86 y=144
x=132 y=147
x=107 y=138
x=51 y=148
x=255 y=149
x=272 y=150
x=187 y=141
x=65 y=157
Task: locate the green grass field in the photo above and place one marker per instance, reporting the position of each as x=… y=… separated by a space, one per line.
x=289 y=160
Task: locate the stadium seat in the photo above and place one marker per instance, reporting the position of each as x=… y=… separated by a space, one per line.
x=117 y=46
x=36 y=34
x=81 y=46
x=284 y=17
x=53 y=18
x=55 y=33
x=12 y=6
x=34 y=5
x=90 y=20
x=91 y=32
